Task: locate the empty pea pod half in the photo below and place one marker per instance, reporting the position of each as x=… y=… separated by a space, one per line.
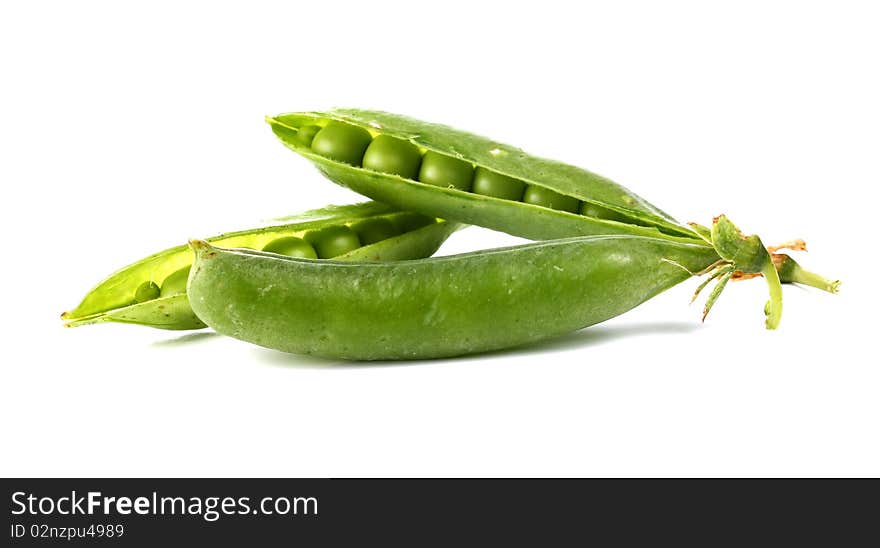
x=152 y=291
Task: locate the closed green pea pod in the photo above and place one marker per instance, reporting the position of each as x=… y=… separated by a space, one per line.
x=433 y=308
x=392 y=155
x=445 y=171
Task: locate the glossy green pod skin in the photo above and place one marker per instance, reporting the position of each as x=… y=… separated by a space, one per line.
x=433 y=308
x=507 y=215
x=131 y=295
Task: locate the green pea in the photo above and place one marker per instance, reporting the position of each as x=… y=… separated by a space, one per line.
x=333 y=241
x=592 y=210
x=408 y=222
x=306 y=134
x=147 y=291
x=175 y=283
x=490 y=183
x=392 y=155
x=375 y=230
x=544 y=197
x=446 y=171
x=291 y=247
x=342 y=142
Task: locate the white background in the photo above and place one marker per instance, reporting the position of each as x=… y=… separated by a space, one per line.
x=126 y=128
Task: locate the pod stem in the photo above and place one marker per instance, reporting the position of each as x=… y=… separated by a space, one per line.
x=747 y=256
x=773 y=308
x=812 y=279
x=791 y=272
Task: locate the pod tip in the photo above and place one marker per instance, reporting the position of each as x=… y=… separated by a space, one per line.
x=201 y=248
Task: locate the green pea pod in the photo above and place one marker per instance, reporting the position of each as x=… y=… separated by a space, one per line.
x=438 y=170
x=466 y=177
x=152 y=291
x=438 y=307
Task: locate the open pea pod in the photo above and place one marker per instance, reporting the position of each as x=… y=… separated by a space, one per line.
x=152 y=291
x=438 y=170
